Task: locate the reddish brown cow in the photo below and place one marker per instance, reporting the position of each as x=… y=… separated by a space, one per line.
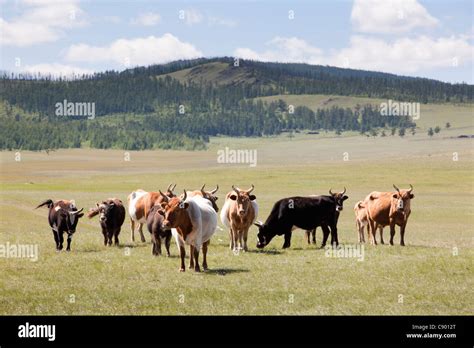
x=139 y=205
x=389 y=209
x=239 y=212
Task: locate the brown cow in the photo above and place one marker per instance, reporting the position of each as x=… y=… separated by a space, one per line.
x=111 y=215
x=362 y=220
x=389 y=209
x=239 y=212
x=140 y=203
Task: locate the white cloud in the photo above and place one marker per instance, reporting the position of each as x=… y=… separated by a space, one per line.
x=41 y=21
x=56 y=70
x=390 y=16
x=404 y=55
x=133 y=52
x=191 y=16
x=148 y=19
x=283 y=49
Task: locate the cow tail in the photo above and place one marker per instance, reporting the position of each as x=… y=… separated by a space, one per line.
x=47 y=202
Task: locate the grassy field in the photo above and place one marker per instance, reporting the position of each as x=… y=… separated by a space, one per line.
x=431 y=275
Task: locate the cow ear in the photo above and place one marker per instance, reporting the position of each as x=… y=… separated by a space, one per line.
x=161 y=212
x=216 y=198
x=344 y=198
x=80 y=215
x=97 y=204
x=233 y=197
x=163 y=205
x=412 y=196
x=395 y=195
x=252 y=197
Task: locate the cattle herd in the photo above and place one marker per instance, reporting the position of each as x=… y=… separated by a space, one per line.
x=191 y=218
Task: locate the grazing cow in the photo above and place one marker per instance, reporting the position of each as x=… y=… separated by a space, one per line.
x=362 y=220
x=239 y=212
x=306 y=213
x=63 y=217
x=111 y=216
x=154 y=222
x=389 y=209
x=209 y=195
x=193 y=221
x=140 y=203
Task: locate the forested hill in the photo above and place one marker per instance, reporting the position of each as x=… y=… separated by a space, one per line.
x=181 y=104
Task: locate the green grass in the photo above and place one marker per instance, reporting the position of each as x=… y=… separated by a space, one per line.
x=106 y=281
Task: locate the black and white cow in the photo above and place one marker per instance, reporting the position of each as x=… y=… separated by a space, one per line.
x=63 y=217
x=306 y=213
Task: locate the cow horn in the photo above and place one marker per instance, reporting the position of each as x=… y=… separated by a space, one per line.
x=76 y=212
x=330 y=191
x=185 y=196
x=411 y=189
x=174 y=186
x=169 y=186
x=165 y=197
x=344 y=191
x=258 y=223
x=396 y=188
x=202 y=188
x=251 y=189
x=236 y=189
x=215 y=190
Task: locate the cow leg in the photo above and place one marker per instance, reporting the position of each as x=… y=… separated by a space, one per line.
x=231 y=238
x=392 y=232
x=334 y=239
x=287 y=242
x=314 y=235
x=381 y=234
x=158 y=245
x=69 y=238
x=56 y=239
x=182 y=254
x=191 y=257
x=167 y=245
x=402 y=234
x=140 y=229
x=196 y=259
x=132 y=230
x=204 y=254
x=116 y=239
x=246 y=234
x=241 y=237
x=61 y=239
x=372 y=232
x=235 y=234
x=325 y=235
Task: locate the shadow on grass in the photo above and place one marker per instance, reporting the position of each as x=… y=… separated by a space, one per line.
x=225 y=271
x=264 y=251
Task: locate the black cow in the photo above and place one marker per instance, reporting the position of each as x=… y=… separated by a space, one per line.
x=63 y=217
x=111 y=215
x=154 y=222
x=306 y=213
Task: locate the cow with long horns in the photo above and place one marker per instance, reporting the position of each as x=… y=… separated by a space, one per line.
x=139 y=205
x=389 y=209
x=63 y=217
x=239 y=212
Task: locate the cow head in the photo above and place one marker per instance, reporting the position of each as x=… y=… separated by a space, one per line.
x=70 y=217
x=105 y=210
x=264 y=235
x=339 y=198
x=210 y=195
x=174 y=211
x=243 y=199
x=401 y=199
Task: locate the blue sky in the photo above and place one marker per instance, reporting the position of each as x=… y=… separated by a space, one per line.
x=432 y=39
